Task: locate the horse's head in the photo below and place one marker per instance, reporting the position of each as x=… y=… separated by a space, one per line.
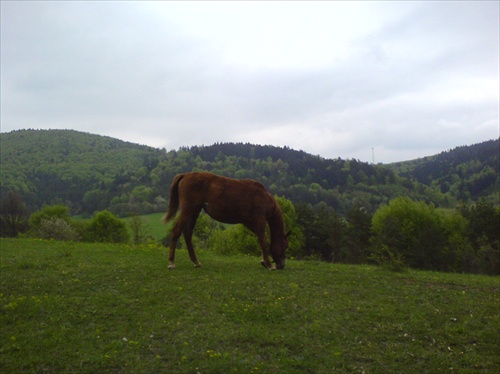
x=278 y=251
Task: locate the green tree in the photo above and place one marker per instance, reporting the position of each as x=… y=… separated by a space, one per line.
x=459 y=252
x=323 y=230
x=306 y=219
x=139 y=229
x=357 y=235
x=107 y=228
x=296 y=240
x=13 y=215
x=412 y=230
x=483 y=222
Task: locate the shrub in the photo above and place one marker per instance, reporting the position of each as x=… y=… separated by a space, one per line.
x=234 y=239
x=297 y=239
x=107 y=228
x=386 y=258
x=57 y=229
x=220 y=241
x=140 y=231
x=53 y=222
x=49 y=212
x=412 y=230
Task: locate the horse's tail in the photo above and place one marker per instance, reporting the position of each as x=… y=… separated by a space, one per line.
x=173 y=204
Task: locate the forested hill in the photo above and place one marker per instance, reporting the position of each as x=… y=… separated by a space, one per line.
x=467 y=172
x=91 y=172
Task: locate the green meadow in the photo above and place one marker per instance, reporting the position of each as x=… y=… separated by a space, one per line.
x=154 y=225
x=69 y=307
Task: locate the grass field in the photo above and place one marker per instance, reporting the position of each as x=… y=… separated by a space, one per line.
x=99 y=308
x=154 y=225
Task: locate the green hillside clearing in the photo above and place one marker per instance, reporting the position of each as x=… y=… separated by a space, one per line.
x=101 y=308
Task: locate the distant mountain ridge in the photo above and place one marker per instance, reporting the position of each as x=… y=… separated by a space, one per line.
x=473 y=170
x=91 y=172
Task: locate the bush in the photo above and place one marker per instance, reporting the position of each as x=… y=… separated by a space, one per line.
x=386 y=258
x=420 y=236
x=53 y=222
x=48 y=213
x=140 y=231
x=221 y=242
x=412 y=230
x=234 y=239
x=57 y=229
x=489 y=260
x=297 y=239
x=105 y=227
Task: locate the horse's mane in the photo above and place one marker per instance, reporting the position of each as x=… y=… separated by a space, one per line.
x=277 y=221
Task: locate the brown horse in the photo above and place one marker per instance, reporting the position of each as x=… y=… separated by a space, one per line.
x=230 y=201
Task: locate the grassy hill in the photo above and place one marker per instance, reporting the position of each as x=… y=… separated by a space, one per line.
x=87 y=308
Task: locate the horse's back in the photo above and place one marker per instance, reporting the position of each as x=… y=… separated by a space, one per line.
x=204 y=182
x=226 y=199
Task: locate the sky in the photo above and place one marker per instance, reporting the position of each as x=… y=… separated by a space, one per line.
x=373 y=81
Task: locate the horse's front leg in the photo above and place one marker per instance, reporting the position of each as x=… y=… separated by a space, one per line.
x=265 y=257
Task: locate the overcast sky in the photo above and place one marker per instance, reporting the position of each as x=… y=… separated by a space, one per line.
x=335 y=79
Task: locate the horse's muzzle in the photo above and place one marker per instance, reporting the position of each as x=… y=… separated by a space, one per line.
x=280 y=265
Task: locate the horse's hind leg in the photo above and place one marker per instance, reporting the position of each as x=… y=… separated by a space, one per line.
x=176 y=233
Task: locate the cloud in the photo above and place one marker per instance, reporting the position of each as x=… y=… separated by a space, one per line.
x=330 y=78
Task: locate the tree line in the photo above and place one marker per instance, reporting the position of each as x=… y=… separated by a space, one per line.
x=403 y=233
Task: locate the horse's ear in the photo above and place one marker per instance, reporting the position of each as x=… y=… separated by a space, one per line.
x=288 y=234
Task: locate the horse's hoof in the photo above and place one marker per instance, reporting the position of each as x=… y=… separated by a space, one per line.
x=267 y=265
x=198 y=265
x=171 y=267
